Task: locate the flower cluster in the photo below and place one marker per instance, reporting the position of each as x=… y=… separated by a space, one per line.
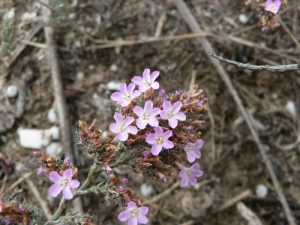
x=153 y=132
x=160 y=131
x=270 y=9
x=61 y=173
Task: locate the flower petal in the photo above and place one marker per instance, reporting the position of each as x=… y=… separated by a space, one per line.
x=164 y=115
x=132 y=221
x=180 y=116
x=123 y=136
x=190 y=156
x=176 y=107
x=156 y=149
x=116 y=96
x=153 y=121
x=124 y=215
x=67 y=193
x=143 y=210
x=155 y=85
x=173 y=122
x=68 y=174
x=150 y=139
x=184 y=182
x=146 y=74
x=131 y=130
x=138 y=110
x=123 y=89
x=142 y=219
x=167 y=105
x=154 y=75
x=114 y=128
x=54 y=176
x=148 y=106
x=168 y=144
x=137 y=80
x=118 y=118
x=128 y=120
x=130 y=88
x=74 y=183
x=55 y=189
x=141 y=123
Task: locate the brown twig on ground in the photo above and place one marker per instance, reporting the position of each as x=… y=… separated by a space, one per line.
x=65 y=127
x=248 y=214
x=232 y=201
x=39 y=198
x=163 y=194
x=281 y=68
x=194 y=26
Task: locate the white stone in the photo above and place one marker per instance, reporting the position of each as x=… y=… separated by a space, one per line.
x=54 y=149
x=37 y=139
x=261 y=191
x=52 y=117
x=147 y=190
x=9 y=15
x=12 y=91
x=113 y=67
x=80 y=75
x=53 y=132
x=29 y=16
x=118 y=48
x=290 y=106
x=243 y=18
x=113 y=85
x=104 y=134
x=33 y=138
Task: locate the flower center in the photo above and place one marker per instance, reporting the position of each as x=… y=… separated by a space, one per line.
x=188 y=172
x=133 y=212
x=159 y=140
x=126 y=97
x=169 y=114
x=64 y=182
x=273 y=8
x=121 y=128
x=146 y=83
x=145 y=116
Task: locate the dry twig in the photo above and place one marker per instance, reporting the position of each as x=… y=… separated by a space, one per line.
x=281 y=68
x=194 y=26
x=39 y=198
x=248 y=214
x=59 y=94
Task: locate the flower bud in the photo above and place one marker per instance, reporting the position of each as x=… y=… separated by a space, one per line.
x=125 y=181
x=109 y=170
x=37 y=154
x=67 y=161
x=41 y=171
x=21 y=208
x=162 y=93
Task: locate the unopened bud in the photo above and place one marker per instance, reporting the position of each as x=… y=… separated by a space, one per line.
x=41 y=171
x=125 y=181
x=21 y=208
x=67 y=161
x=37 y=154
x=162 y=93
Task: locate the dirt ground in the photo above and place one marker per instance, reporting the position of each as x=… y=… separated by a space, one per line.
x=85 y=32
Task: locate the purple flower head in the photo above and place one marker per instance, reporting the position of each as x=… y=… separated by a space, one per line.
x=67 y=161
x=109 y=170
x=273 y=6
x=177 y=93
x=147 y=81
x=146 y=115
x=159 y=140
x=41 y=171
x=125 y=95
x=21 y=208
x=121 y=189
x=172 y=114
x=134 y=214
x=199 y=104
x=162 y=93
x=121 y=127
x=63 y=183
x=192 y=150
x=188 y=175
x=145 y=154
x=125 y=181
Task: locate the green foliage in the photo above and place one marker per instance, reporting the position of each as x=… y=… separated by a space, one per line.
x=6 y=38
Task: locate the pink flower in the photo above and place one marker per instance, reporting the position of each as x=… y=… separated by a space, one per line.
x=146 y=115
x=273 y=6
x=192 y=150
x=172 y=114
x=159 y=140
x=121 y=127
x=63 y=183
x=147 y=81
x=126 y=94
x=188 y=175
x=134 y=214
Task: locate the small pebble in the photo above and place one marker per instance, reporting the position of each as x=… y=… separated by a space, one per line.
x=53 y=132
x=54 y=149
x=80 y=76
x=52 y=118
x=243 y=18
x=12 y=91
x=113 y=67
x=113 y=86
x=290 y=106
x=147 y=190
x=261 y=191
x=33 y=138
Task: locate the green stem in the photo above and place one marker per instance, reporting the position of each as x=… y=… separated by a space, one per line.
x=62 y=204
